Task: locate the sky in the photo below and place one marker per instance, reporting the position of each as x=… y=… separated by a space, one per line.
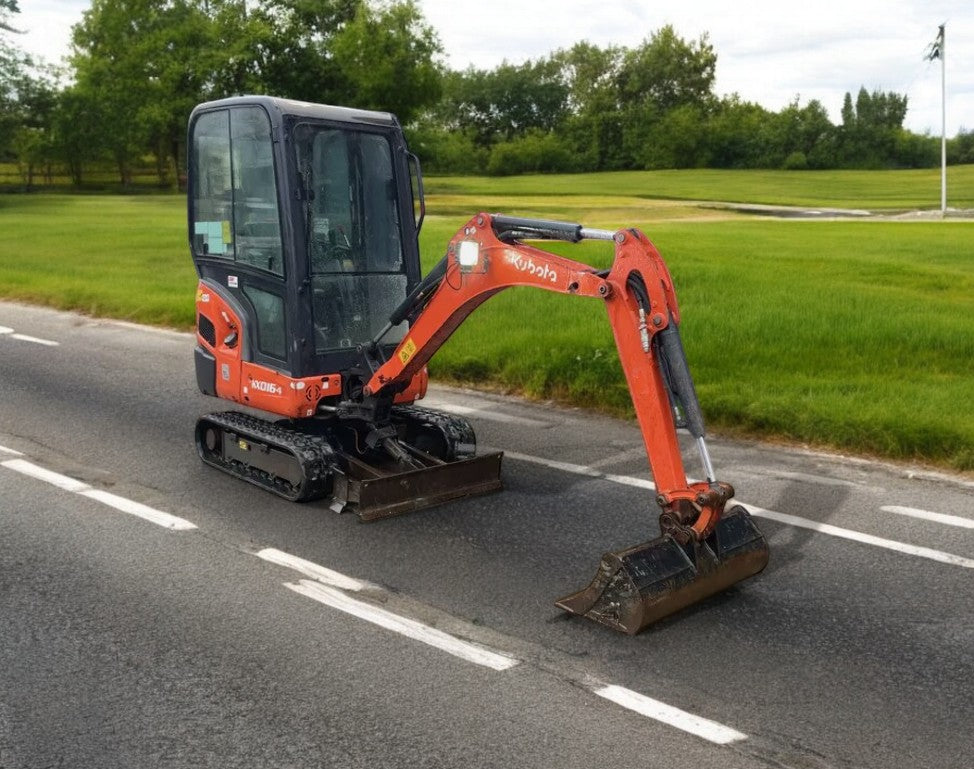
x=768 y=51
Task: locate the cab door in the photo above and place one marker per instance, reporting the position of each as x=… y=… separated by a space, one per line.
x=237 y=247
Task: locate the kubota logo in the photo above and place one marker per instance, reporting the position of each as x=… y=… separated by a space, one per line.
x=267 y=387
x=541 y=271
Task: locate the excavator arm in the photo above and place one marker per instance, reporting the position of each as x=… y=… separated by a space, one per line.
x=702 y=549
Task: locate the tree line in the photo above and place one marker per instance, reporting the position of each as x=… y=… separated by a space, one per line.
x=137 y=68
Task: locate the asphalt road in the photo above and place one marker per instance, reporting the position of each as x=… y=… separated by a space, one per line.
x=154 y=612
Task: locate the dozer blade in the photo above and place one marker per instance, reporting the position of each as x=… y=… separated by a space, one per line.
x=640 y=585
x=372 y=493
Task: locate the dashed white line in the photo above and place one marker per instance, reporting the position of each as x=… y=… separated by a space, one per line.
x=667 y=714
x=145 y=512
x=34 y=339
x=67 y=483
x=327 y=589
x=760 y=512
x=43 y=474
x=26 y=337
x=493 y=416
x=5 y=450
x=927 y=515
x=410 y=628
x=867 y=539
x=313 y=570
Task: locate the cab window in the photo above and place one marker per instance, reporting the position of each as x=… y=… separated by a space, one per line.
x=235 y=213
x=354 y=234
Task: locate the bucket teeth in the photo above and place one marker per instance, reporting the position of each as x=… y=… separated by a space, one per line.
x=636 y=587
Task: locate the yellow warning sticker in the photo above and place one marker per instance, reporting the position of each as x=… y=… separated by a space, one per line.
x=408 y=351
x=225 y=226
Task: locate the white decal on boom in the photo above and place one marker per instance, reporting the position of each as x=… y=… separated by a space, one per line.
x=541 y=271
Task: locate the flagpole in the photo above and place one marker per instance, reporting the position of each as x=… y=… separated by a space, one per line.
x=943 y=121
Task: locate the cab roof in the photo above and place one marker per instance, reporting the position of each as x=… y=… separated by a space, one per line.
x=278 y=108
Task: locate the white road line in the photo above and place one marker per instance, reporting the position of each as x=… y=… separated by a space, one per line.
x=313 y=570
x=857 y=536
x=138 y=509
x=327 y=589
x=34 y=339
x=410 y=628
x=6 y=330
x=791 y=520
x=106 y=498
x=554 y=464
x=480 y=413
x=667 y=714
x=5 y=450
x=590 y=472
x=926 y=515
x=42 y=474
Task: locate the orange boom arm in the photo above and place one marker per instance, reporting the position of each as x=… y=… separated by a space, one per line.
x=487 y=255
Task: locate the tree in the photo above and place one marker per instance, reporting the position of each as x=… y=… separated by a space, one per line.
x=594 y=124
x=113 y=73
x=680 y=139
x=283 y=47
x=388 y=56
x=7 y=7
x=12 y=67
x=34 y=136
x=805 y=136
x=78 y=136
x=742 y=136
x=666 y=72
x=960 y=149
x=28 y=93
x=870 y=129
x=363 y=53
x=504 y=103
x=142 y=65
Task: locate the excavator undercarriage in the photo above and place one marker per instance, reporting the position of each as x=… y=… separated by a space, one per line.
x=311 y=308
x=432 y=460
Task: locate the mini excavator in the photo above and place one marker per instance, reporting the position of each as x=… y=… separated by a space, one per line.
x=311 y=308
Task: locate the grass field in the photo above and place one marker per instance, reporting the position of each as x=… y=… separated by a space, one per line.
x=872 y=190
x=853 y=335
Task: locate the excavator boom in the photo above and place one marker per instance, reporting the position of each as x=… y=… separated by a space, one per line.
x=702 y=549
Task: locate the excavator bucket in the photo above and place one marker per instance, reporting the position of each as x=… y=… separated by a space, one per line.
x=636 y=587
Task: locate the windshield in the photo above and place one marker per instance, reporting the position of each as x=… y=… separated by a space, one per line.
x=352 y=228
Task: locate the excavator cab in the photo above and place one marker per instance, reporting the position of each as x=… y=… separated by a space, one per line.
x=305 y=215
x=303 y=224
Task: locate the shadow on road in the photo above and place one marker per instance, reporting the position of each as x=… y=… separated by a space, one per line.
x=816 y=503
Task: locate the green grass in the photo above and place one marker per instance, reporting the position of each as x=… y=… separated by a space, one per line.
x=872 y=190
x=117 y=257
x=852 y=335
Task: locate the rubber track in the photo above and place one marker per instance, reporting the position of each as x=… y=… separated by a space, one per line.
x=313 y=454
x=456 y=430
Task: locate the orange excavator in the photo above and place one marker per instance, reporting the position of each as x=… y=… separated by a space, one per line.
x=311 y=308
